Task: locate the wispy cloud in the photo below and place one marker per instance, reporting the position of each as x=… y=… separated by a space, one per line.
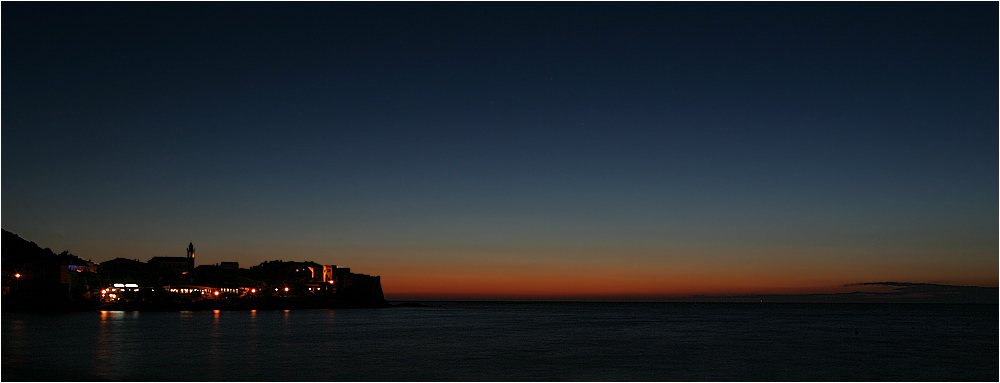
x=894 y=292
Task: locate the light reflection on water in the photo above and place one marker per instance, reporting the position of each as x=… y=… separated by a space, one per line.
x=215 y=352
x=104 y=365
x=502 y=342
x=15 y=339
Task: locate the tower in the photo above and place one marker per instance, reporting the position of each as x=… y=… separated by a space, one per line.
x=190 y=256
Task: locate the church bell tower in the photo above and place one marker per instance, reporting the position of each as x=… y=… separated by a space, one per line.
x=190 y=250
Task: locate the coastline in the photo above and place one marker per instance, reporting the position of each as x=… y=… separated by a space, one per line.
x=262 y=303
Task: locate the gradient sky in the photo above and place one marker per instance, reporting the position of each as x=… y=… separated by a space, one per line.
x=514 y=149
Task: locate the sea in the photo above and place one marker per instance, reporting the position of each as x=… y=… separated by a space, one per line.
x=513 y=341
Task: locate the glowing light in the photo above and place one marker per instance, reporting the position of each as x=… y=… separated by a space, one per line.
x=105 y=291
x=18 y=275
x=216 y=293
x=119 y=285
x=131 y=285
x=286 y=289
x=253 y=291
x=331 y=281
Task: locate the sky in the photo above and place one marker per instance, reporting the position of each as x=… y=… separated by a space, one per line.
x=514 y=150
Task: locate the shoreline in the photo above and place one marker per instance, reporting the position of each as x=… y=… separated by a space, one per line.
x=283 y=303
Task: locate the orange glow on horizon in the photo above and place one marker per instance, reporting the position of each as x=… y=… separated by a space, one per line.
x=571 y=288
x=637 y=283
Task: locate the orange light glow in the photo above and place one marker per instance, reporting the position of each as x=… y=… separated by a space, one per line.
x=286 y=289
x=626 y=282
x=331 y=281
x=216 y=293
x=253 y=291
x=18 y=275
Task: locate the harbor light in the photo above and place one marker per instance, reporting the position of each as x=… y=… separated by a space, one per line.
x=17 y=275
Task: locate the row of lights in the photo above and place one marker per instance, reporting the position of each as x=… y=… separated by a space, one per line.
x=119 y=287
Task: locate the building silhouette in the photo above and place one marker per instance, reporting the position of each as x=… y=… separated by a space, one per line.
x=38 y=279
x=176 y=264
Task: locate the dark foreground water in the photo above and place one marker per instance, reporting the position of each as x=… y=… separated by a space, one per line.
x=513 y=342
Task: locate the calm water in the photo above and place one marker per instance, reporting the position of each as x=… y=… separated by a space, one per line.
x=520 y=342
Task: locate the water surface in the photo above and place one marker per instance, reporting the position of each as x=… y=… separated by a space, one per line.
x=498 y=341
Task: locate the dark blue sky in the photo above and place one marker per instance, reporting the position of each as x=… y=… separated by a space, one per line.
x=776 y=145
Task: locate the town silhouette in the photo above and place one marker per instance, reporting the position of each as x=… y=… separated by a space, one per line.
x=39 y=279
